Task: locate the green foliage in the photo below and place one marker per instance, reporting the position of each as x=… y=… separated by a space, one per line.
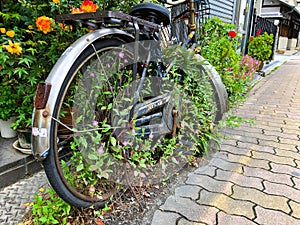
x=50 y=209
x=22 y=72
x=260 y=47
x=221 y=50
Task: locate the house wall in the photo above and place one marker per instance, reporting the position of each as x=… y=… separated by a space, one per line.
x=223 y=9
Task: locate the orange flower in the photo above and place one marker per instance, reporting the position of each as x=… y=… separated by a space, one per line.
x=251 y=38
x=44 y=24
x=56 y=1
x=88 y=6
x=13 y=48
x=76 y=11
x=10 y=33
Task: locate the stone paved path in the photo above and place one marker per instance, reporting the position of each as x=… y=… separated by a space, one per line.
x=255 y=177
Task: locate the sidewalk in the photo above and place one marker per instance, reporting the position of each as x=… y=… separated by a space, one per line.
x=255 y=177
x=252 y=180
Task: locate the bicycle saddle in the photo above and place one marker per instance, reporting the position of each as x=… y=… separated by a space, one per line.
x=151 y=12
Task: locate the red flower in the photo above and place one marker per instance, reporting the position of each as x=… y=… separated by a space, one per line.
x=258 y=32
x=232 y=34
x=88 y=6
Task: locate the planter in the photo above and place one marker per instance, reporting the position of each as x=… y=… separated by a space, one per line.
x=5 y=130
x=24 y=138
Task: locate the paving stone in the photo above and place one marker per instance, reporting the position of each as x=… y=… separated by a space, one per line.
x=295 y=209
x=261 y=198
x=282 y=190
x=241 y=138
x=273 y=158
x=183 y=221
x=191 y=210
x=286 y=153
x=279 y=168
x=244 y=160
x=288 y=141
x=235 y=150
x=225 y=219
x=291 y=136
x=206 y=170
x=267 y=175
x=264 y=216
x=256 y=147
x=239 y=179
x=188 y=191
x=227 y=204
x=210 y=184
x=165 y=218
x=296 y=181
x=225 y=165
x=276 y=145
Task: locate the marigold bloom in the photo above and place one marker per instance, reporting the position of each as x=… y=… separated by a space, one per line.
x=56 y=1
x=2 y=30
x=88 y=6
x=44 y=24
x=251 y=38
x=10 y=33
x=13 y=48
x=232 y=34
x=76 y=11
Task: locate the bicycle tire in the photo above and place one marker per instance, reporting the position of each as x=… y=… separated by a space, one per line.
x=52 y=166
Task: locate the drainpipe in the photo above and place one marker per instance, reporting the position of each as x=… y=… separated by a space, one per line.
x=249 y=11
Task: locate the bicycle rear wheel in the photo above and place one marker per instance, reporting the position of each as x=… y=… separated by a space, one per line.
x=76 y=136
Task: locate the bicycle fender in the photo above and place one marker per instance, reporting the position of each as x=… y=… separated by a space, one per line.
x=42 y=118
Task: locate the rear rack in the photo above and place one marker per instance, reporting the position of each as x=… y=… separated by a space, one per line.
x=98 y=19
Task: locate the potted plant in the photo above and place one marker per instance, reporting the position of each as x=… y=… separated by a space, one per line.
x=260 y=47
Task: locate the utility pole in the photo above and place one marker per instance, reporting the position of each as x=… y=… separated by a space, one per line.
x=249 y=11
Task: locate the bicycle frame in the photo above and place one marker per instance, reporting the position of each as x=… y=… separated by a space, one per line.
x=47 y=92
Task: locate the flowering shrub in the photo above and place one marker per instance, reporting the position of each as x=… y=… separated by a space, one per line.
x=30 y=44
x=219 y=44
x=260 y=47
x=248 y=67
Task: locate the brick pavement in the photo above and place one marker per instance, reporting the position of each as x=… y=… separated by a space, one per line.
x=255 y=177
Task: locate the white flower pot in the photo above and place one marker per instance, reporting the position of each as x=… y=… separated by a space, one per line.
x=5 y=130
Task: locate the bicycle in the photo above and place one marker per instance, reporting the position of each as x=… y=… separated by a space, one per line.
x=110 y=102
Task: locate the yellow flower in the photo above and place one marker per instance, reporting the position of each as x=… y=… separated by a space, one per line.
x=2 y=30
x=30 y=27
x=10 y=33
x=13 y=48
x=41 y=190
x=56 y=1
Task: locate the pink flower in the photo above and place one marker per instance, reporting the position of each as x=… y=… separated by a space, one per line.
x=108 y=65
x=125 y=61
x=151 y=136
x=125 y=143
x=121 y=55
x=92 y=74
x=95 y=123
x=100 y=150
